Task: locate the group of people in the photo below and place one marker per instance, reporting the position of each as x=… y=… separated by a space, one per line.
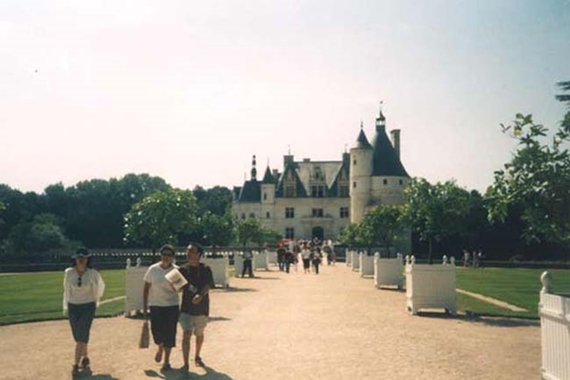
x=189 y=305
x=474 y=259
x=311 y=252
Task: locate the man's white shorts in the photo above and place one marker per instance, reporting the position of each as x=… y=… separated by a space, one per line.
x=193 y=323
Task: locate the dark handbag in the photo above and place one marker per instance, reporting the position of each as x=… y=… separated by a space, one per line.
x=145 y=336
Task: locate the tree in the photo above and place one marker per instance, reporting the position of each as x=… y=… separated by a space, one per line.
x=349 y=235
x=160 y=218
x=536 y=180
x=381 y=226
x=436 y=211
x=43 y=233
x=215 y=229
x=247 y=231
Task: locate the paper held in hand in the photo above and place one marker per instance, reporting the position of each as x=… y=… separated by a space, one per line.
x=176 y=279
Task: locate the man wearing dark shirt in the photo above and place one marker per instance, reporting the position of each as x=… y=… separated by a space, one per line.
x=195 y=306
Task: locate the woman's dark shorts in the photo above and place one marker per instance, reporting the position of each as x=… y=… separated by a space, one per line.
x=163 y=323
x=80 y=318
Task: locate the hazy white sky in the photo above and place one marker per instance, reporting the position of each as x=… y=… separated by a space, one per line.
x=190 y=90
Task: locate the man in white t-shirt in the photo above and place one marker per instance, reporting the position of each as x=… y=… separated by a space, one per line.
x=163 y=300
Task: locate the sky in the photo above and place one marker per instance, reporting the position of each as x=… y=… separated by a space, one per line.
x=190 y=90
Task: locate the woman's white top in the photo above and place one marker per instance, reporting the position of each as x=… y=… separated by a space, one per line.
x=91 y=289
x=160 y=292
x=306 y=254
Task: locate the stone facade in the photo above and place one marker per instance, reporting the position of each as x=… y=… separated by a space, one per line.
x=319 y=198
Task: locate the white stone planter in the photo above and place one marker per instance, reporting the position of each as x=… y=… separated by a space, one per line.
x=354 y=261
x=554 y=313
x=134 y=285
x=220 y=270
x=272 y=257
x=388 y=272
x=366 y=265
x=430 y=286
x=348 y=258
x=260 y=260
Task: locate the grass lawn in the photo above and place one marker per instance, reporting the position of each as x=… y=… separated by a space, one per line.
x=518 y=287
x=38 y=296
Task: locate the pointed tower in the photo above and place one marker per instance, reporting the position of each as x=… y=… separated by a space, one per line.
x=388 y=174
x=360 y=176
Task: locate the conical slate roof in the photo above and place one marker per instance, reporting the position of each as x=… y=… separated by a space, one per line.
x=268 y=177
x=385 y=161
x=362 y=141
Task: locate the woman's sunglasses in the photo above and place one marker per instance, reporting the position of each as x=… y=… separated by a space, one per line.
x=79 y=281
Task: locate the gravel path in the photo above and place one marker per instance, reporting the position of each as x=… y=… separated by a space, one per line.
x=334 y=325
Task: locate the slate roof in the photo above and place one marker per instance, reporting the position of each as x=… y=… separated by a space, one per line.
x=268 y=177
x=250 y=192
x=385 y=161
x=362 y=141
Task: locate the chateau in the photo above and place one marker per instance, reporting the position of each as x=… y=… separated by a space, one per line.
x=319 y=198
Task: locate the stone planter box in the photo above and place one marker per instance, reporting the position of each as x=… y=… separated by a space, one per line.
x=134 y=285
x=554 y=313
x=272 y=257
x=430 y=286
x=348 y=258
x=220 y=270
x=354 y=261
x=388 y=272
x=366 y=265
x=260 y=260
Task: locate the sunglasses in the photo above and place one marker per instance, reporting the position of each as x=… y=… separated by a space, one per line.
x=79 y=281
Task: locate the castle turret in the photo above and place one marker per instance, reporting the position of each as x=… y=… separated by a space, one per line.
x=360 y=176
x=268 y=185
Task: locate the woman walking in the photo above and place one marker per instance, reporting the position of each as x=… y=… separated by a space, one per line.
x=306 y=255
x=83 y=287
x=163 y=300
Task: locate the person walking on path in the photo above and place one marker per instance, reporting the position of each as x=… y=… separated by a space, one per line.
x=195 y=307
x=316 y=259
x=306 y=256
x=83 y=287
x=163 y=300
x=281 y=257
x=247 y=265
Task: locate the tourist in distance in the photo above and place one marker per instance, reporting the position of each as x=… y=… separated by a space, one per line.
x=281 y=257
x=163 y=300
x=195 y=307
x=306 y=256
x=316 y=258
x=247 y=265
x=83 y=287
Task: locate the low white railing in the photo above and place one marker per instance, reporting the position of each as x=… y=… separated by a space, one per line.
x=430 y=286
x=554 y=313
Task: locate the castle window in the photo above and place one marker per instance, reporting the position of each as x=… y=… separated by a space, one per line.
x=317 y=213
x=252 y=215
x=267 y=215
x=290 y=190
x=354 y=185
x=354 y=162
x=264 y=196
x=343 y=191
x=401 y=182
x=317 y=191
x=385 y=181
x=289 y=212
x=344 y=212
x=289 y=233
x=243 y=215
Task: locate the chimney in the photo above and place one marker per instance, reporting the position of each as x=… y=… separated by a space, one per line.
x=395 y=137
x=275 y=174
